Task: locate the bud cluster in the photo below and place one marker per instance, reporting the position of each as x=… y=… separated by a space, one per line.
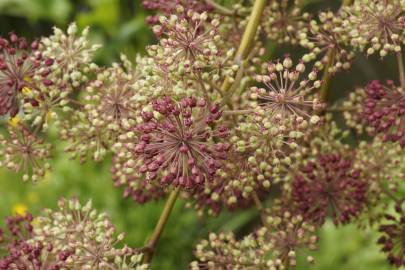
x=375 y=26
x=325 y=37
x=74 y=237
x=176 y=143
x=285 y=21
x=329 y=187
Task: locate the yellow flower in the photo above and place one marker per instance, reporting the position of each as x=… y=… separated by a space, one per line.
x=27 y=79
x=14 y=121
x=26 y=91
x=20 y=209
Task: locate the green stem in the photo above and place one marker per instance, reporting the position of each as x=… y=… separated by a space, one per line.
x=327 y=75
x=401 y=70
x=246 y=43
x=157 y=232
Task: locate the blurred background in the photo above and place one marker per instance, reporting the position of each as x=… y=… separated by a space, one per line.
x=119 y=26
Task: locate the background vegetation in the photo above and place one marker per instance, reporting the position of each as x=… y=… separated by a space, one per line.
x=119 y=26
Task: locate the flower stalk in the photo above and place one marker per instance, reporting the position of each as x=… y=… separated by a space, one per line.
x=401 y=69
x=157 y=232
x=245 y=45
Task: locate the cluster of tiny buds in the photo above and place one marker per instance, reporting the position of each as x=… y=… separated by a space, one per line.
x=353 y=110
x=24 y=152
x=72 y=53
x=283 y=235
x=89 y=234
x=384 y=110
x=321 y=38
x=187 y=43
x=19 y=63
x=375 y=25
x=22 y=252
x=329 y=187
x=176 y=141
x=223 y=251
x=272 y=247
x=285 y=93
x=285 y=21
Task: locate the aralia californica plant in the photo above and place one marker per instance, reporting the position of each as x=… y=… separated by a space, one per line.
x=209 y=116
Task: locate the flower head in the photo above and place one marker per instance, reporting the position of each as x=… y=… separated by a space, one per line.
x=19 y=63
x=188 y=43
x=270 y=147
x=392 y=239
x=385 y=110
x=285 y=94
x=176 y=142
x=273 y=246
x=22 y=252
x=89 y=234
x=376 y=25
x=384 y=171
x=223 y=251
x=110 y=100
x=67 y=65
x=284 y=235
x=329 y=187
x=323 y=38
x=111 y=104
x=24 y=152
x=72 y=55
x=285 y=21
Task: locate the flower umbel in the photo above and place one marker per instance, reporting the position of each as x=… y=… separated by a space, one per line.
x=284 y=21
x=329 y=187
x=188 y=43
x=88 y=235
x=385 y=110
x=377 y=25
x=285 y=94
x=176 y=142
x=24 y=152
x=18 y=64
x=322 y=37
x=283 y=236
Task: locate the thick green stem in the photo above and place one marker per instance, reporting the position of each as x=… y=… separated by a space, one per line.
x=246 y=44
x=157 y=232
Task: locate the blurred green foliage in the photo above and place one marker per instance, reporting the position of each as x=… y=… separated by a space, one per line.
x=119 y=26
